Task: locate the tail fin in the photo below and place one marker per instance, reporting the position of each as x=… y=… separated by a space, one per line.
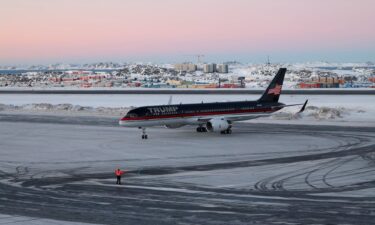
x=273 y=91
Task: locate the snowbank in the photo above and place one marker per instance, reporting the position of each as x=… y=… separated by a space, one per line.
x=24 y=220
x=323 y=115
x=316 y=113
x=66 y=109
x=312 y=113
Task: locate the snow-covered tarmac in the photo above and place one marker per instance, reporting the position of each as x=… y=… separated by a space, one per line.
x=60 y=168
x=344 y=110
x=128 y=100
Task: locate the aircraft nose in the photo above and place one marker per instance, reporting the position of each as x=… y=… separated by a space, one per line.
x=122 y=121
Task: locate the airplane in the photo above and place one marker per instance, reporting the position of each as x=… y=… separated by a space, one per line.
x=212 y=117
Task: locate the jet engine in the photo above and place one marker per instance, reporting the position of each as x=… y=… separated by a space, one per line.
x=218 y=125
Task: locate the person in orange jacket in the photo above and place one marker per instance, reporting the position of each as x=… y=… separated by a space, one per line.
x=118 y=174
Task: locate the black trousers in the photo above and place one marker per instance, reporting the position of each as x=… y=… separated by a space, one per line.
x=118 y=180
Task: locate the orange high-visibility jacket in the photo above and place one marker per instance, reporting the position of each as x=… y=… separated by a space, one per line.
x=119 y=172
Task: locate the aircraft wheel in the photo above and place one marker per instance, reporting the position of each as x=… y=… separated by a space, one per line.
x=201 y=129
x=144 y=134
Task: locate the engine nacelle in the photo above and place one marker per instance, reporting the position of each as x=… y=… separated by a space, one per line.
x=217 y=125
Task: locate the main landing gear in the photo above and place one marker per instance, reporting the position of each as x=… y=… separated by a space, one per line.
x=227 y=131
x=201 y=129
x=144 y=134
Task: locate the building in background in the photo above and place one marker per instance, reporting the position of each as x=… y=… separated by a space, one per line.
x=209 y=68
x=223 y=68
x=213 y=68
x=185 y=67
x=323 y=82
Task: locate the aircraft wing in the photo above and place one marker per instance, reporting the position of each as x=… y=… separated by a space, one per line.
x=302 y=109
x=205 y=119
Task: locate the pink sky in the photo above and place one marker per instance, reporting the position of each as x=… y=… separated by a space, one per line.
x=69 y=30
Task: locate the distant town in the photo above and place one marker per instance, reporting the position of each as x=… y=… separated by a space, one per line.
x=187 y=75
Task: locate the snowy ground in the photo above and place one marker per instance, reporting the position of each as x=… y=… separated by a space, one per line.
x=357 y=110
x=22 y=220
x=128 y=100
x=58 y=153
x=60 y=168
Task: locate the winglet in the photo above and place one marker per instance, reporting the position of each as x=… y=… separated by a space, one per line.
x=304 y=106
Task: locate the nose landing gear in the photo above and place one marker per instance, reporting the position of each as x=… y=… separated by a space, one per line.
x=144 y=134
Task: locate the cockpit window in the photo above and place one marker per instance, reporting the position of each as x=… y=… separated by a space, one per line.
x=131 y=115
